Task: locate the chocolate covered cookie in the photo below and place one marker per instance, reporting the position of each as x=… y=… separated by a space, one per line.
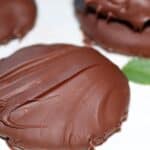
x=60 y=97
x=121 y=26
x=17 y=17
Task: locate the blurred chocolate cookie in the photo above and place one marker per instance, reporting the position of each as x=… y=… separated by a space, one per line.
x=17 y=17
x=121 y=26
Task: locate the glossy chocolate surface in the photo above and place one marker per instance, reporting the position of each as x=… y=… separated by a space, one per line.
x=136 y=12
x=17 y=17
x=126 y=33
x=60 y=97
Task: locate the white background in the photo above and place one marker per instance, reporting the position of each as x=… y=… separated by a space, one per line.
x=56 y=23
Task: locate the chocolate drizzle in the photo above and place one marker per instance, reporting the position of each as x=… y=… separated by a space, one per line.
x=60 y=97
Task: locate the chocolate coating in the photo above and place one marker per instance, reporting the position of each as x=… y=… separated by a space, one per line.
x=122 y=32
x=124 y=9
x=60 y=97
x=17 y=17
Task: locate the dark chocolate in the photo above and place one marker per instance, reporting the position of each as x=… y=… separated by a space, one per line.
x=115 y=25
x=60 y=97
x=17 y=17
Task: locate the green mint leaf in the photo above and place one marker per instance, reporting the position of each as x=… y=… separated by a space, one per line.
x=138 y=70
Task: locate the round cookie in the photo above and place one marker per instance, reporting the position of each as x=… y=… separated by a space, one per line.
x=115 y=24
x=17 y=17
x=54 y=99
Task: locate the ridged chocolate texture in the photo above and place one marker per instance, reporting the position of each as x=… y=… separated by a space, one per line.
x=136 y=12
x=120 y=26
x=60 y=97
x=17 y=17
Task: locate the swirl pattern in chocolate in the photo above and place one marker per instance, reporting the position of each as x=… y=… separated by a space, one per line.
x=60 y=97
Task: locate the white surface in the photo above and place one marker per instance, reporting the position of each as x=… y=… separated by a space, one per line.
x=57 y=24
